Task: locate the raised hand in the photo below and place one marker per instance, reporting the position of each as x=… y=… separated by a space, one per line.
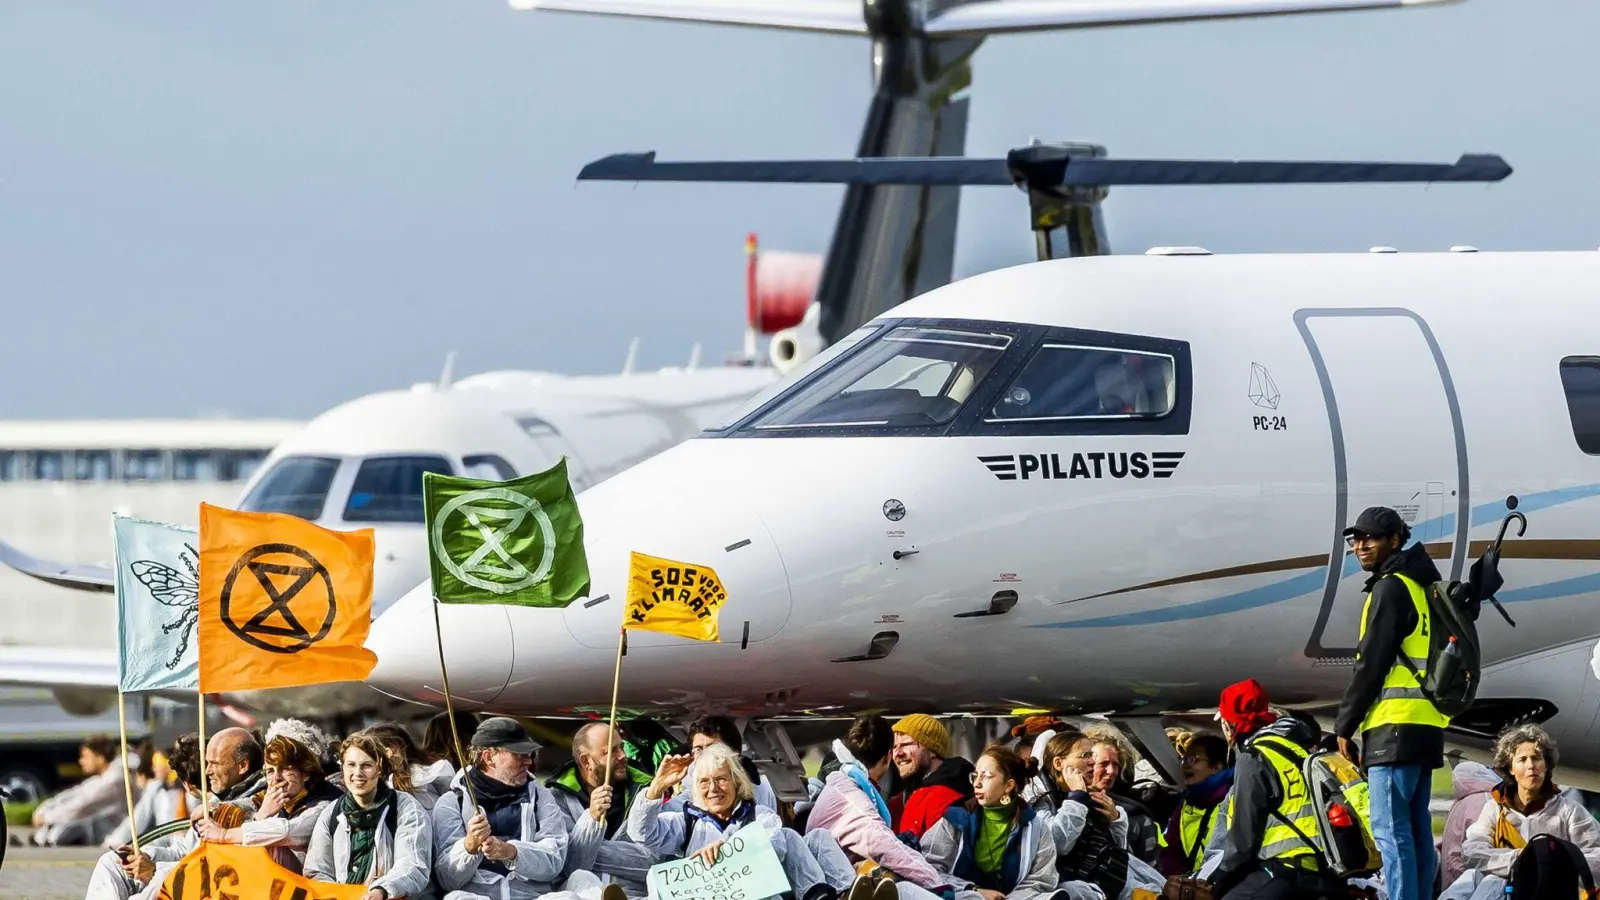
x=669 y=775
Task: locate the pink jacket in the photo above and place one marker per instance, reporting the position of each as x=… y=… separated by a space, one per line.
x=853 y=819
x=1470 y=783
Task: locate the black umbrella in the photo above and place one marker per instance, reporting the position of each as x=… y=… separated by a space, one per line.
x=1484 y=576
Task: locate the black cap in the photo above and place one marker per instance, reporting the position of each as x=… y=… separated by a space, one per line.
x=505 y=734
x=1378 y=521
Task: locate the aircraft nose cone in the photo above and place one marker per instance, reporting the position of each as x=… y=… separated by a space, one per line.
x=477 y=650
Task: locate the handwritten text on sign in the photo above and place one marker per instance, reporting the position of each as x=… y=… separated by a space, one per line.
x=746 y=869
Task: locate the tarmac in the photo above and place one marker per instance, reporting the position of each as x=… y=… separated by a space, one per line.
x=46 y=873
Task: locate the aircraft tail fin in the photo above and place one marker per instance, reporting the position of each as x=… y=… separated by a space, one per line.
x=972 y=18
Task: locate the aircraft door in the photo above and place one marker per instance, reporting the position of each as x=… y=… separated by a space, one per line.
x=1395 y=425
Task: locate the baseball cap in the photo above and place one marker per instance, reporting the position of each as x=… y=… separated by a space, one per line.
x=1377 y=521
x=506 y=734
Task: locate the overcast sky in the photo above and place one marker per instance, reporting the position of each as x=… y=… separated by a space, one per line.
x=267 y=208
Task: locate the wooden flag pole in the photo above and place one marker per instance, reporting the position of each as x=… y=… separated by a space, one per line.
x=127 y=776
x=205 y=776
x=616 y=682
x=449 y=705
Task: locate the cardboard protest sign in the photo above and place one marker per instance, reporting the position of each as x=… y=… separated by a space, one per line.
x=747 y=868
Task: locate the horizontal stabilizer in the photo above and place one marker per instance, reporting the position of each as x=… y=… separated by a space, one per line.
x=836 y=16
x=954 y=170
x=71 y=575
x=58 y=667
x=1010 y=16
x=972 y=18
x=1043 y=167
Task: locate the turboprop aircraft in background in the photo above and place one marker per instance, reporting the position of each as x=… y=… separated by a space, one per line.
x=895 y=239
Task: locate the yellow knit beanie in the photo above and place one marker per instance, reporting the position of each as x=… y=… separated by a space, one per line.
x=927 y=731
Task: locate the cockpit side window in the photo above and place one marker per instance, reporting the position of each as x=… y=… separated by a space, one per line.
x=389 y=488
x=296 y=485
x=1064 y=381
x=1095 y=383
x=912 y=378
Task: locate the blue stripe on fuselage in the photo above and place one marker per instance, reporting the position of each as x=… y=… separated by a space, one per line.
x=1305 y=583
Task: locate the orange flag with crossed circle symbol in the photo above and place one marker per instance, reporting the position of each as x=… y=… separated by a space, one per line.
x=283 y=602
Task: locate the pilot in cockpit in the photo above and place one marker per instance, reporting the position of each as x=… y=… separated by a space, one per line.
x=1119 y=395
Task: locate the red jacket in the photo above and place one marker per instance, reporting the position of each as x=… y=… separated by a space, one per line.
x=921 y=809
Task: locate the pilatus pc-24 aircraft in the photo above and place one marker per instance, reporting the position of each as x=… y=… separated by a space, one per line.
x=1109 y=484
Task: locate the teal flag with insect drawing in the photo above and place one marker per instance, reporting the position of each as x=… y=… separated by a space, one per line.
x=158 y=597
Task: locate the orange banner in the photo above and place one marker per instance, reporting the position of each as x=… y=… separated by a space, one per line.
x=282 y=602
x=212 y=871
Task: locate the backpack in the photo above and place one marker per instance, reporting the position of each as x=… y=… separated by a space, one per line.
x=1454 y=656
x=1550 y=867
x=1339 y=797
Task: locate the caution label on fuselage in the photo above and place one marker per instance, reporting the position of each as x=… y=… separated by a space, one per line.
x=1099 y=464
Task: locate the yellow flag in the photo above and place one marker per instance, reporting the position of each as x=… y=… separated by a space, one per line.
x=673 y=598
x=244 y=873
x=282 y=602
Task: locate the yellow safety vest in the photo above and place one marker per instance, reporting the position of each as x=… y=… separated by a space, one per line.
x=1280 y=841
x=1191 y=819
x=1401 y=701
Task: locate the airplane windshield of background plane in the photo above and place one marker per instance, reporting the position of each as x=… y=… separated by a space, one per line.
x=297 y=485
x=911 y=376
x=389 y=488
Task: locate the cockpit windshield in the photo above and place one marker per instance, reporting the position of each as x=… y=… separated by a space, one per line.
x=296 y=485
x=912 y=376
x=389 y=488
x=828 y=355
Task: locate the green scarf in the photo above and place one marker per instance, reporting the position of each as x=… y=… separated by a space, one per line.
x=363 y=824
x=993 y=832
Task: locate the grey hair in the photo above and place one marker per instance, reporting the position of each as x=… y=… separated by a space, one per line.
x=721 y=756
x=1112 y=736
x=303 y=733
x=1505 y=749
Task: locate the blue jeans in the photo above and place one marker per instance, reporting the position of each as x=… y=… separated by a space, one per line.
x=1403 y=827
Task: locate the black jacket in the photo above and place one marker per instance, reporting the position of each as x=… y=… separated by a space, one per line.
x=1144 y=832
x=1393 y=617
x=1256 y=793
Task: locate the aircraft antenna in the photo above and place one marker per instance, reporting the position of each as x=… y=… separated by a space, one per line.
x=633 y=353
x=447 y=375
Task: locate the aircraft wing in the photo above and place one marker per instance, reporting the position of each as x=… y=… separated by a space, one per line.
x=975 y=18
x=71 y=575
x=58 y=667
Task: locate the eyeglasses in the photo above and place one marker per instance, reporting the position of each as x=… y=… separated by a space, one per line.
x=1190 y=759
x=978 y=778
x=1351 y=540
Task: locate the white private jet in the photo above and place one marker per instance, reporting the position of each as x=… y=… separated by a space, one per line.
x=1109 y=484
x=360 y=465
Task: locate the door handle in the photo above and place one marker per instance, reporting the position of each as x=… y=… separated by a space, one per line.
x=1000 y=604
x=902 y=554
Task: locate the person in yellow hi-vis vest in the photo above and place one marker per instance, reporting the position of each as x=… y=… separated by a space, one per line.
x=1267 y=854
x=1402 y=734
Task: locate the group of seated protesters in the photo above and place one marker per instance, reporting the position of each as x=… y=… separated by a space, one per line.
x=893 y=816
